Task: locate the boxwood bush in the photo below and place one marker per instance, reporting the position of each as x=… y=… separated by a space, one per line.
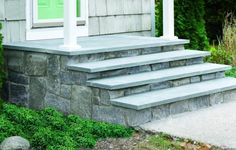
x=50 y=129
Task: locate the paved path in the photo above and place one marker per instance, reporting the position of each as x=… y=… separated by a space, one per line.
x=215 y=125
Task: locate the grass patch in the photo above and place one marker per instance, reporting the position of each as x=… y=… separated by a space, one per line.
x=159 y=142
x=50 y=129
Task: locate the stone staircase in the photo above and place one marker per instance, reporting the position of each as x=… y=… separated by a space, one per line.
x=122 y=79
x=152 y=83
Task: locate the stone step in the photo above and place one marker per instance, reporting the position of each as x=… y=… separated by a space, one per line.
x=126 y=81
x=170 y=95
x=126 y=62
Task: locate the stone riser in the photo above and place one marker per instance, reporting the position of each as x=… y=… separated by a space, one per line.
x=131 y=117
x=121 y=54
x=104 y=95
x=140 y=69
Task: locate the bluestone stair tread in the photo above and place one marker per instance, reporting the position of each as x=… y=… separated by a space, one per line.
x=166 y=96
x=156 y=76
x=118 y=63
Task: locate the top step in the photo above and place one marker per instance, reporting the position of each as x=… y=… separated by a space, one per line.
x=126 y=62
x=95 y=44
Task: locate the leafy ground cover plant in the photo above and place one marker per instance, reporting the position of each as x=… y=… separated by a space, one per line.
x=50 y=129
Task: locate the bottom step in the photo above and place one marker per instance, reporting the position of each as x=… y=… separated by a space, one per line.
x=165 y=96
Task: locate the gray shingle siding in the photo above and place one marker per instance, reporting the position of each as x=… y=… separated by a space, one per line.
x=119 y=16
x=131 y=17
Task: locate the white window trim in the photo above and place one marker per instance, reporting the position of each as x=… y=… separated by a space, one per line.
x=55 y=32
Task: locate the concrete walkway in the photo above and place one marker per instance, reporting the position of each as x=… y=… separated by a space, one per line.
x=215 y=125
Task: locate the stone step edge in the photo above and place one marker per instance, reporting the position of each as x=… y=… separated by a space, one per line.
x=98 y=82
x=112 y=63
x=220 y=85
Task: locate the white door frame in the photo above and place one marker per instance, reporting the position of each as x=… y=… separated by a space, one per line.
x=52 y=32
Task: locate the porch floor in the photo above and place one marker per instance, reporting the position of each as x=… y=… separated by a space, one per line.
x=95 y=44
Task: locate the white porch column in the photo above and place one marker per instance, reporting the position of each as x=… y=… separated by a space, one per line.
x=168 y=20
x=70 y=25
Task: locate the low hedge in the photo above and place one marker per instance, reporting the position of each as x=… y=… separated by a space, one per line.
x=50 y=129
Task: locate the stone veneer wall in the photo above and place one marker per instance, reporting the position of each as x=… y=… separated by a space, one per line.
x=105 y=17
x=39 y=80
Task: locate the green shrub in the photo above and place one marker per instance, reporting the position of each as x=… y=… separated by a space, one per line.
x=2 y=75
x=220 y=56
x=231 y=73
x=189 y=22
x=225 y=52
x=50 y=129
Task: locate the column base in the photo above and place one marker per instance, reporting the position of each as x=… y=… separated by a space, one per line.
x=169 y=37
x=70 y=47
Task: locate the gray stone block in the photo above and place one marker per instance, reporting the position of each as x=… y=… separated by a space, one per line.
x=208 y=76
x=135 y=118
x=6 y=90
x=66 y=91
x=151 y=50
x=15 y=61
x=138 y=89
x=220 y=74
x=64 y=60
x=81 y=101
x=53 y=65
x=160 y=85
x=139 y=69
x=19 y=94
x=178 y=47
x=72 y=77
x=169 y=48
x=37 y=92
x=108 y=114
x=179 y=107
x=178 y=63
x=195 y=79
x=114 y=73
x=59 y=103
x=36 y=64
x=18 y=78
x=217 y=98
x=160 y=112
x=230 y=96
x=194 y=61
x=180 y=82
x=107 y=95
x=53 y=84
x=160 y=66
x=199 y=102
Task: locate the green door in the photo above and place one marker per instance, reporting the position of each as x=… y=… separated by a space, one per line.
x=53 y=9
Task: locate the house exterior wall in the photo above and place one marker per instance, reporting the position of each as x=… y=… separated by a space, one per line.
x=105 y=17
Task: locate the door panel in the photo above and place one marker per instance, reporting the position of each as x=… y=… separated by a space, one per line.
x=53 y=9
